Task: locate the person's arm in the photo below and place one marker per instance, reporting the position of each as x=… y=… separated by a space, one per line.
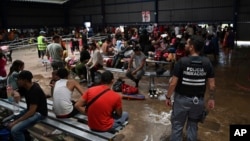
x=143 y=62
x=45 y=40
x=47 y=53
x=171 y=89
x=90 y=60
x=118 y=112
x=97 y=57
x=211 y=84
x=79 y=105
x=78 y=87
x=118 y=108
x=130 y=62
x=16 y=95
x=29 y=113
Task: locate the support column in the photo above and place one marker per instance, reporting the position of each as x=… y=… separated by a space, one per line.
x=235 y=13
x=235 y=19
x=104 y=23
x=156 y=11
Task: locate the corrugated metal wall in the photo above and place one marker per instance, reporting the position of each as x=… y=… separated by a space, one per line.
x=178 y=11
x=116 y=12
x=243 y=24
x=195 y=10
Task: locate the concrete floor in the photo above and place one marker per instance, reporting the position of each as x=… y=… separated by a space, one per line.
x=149 y=119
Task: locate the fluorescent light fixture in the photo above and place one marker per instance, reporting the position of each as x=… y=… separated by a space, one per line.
x=44 y=1
x=243 y=43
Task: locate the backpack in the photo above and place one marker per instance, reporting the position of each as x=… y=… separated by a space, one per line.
x=127 y=89
x=117 y=86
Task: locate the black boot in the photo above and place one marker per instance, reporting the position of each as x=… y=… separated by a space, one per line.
x=136 y=83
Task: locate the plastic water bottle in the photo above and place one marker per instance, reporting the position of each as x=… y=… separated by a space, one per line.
x=9 y=93
x=16 y=108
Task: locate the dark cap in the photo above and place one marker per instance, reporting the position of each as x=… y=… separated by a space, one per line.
x=25 y=75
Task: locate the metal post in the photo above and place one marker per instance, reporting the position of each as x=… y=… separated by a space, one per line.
x=156 y=11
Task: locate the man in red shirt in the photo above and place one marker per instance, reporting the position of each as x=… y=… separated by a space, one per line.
x=105 y=113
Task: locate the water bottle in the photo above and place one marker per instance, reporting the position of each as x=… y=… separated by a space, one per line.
x=15 y=104
x=9 y=93
x=16 y=108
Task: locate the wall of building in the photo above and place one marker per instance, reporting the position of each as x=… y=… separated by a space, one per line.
x=27 y=14
x=169 y=11
x=243 y=24
x=126 y=12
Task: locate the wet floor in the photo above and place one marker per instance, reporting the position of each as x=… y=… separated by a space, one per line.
x=149 y=119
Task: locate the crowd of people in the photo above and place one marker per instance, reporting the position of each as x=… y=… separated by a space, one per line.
x=186 y=46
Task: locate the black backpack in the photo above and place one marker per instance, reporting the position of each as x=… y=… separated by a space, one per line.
x=117 y=86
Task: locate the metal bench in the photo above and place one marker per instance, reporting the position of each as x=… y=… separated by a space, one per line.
x=84 y=119
x=152 y=75
x=71 y=126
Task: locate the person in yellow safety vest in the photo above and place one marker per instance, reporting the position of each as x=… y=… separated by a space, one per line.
x=41 y=44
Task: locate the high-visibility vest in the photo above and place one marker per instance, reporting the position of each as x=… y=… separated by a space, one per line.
x=40 y=44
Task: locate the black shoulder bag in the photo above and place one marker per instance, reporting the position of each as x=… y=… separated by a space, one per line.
x=94 y=99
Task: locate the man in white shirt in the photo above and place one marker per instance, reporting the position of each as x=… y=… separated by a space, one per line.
x=95 y=62
x=136 y=72
x=63 y=105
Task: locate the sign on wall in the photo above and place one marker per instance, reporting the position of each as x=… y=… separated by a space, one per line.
x=145 y=16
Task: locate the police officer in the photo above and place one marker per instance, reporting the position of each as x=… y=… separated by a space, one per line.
x=190 y=76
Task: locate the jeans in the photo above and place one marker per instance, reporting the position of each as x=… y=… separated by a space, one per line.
x=119 y=121
x=18 y=130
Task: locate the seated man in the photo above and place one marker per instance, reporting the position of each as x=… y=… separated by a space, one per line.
x=95 y=62
x=36 y=106
x=105 y=113
x=80 y=67
x=136 y=72
x=63 y=105
x=107 y=47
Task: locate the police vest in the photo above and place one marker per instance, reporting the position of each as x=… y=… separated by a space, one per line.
x=40 y=44
x=192 y=81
